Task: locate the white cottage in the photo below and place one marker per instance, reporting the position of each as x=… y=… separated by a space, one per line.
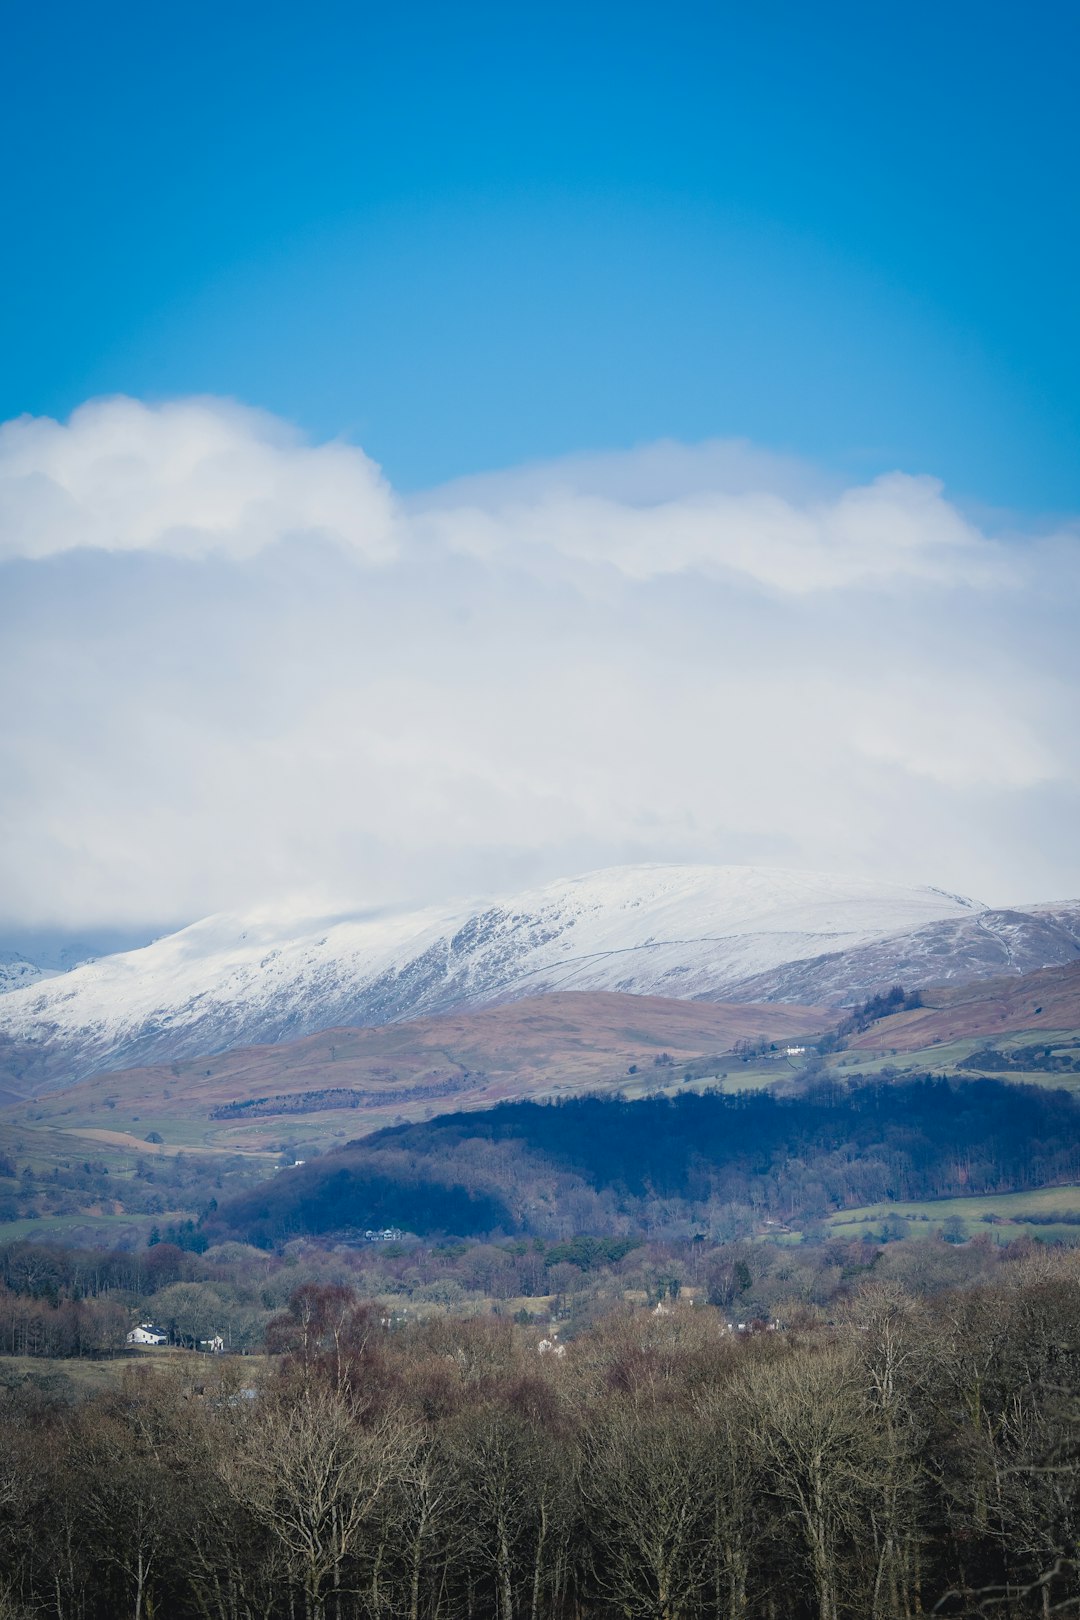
x=146 y=1333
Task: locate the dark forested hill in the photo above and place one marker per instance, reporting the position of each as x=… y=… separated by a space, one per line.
x=602 y=1164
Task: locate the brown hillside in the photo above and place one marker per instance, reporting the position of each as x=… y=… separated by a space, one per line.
x=566 y=1042
x=530 y=1038
x=1048 y=1000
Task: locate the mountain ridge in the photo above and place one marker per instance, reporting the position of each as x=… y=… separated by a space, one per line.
x=682 y=932
x=686 y=932
x=1012 y=941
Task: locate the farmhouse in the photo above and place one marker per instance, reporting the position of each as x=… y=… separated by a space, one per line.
x=146 y=1333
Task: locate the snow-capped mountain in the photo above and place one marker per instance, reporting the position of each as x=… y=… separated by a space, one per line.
x=16 y=972
x=45 y=953
x=953 y=951
x=682 y=931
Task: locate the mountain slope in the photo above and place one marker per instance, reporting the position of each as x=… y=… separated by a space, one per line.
x=954 y=950
x=693 y=932
x=17 y=973
x=28 y=956
x=1037 y=1004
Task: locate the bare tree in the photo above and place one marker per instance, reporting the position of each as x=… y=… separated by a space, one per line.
x=126 y=1500
x=303 y=1465
x=644 y=1481
x=509 y=1505
x=734 y=1491
x=819 y=1441
x=890 y=1343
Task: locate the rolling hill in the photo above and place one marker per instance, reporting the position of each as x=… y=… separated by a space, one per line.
x=300 y=1098
x=1044 y=1002
x=352 y=1081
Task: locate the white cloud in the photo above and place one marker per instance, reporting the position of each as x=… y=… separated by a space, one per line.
x=896 y=528
x=188 y=478
x=675 y=653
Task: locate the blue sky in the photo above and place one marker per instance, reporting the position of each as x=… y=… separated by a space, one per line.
x=721 y=363
x=469 y=236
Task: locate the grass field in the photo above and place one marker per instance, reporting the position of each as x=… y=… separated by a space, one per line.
x=92 y=1230
x=930 y=1215
x=943 y=1058
x=79 y=1376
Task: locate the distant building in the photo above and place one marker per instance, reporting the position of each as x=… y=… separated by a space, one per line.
x=388 y=1234
x=146 y=1333
x=794 y=1051
x=214 y=1346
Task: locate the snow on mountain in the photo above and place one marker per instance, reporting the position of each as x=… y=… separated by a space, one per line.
x=682 y=931
x=953 y=951
x=31 y=955
x=16 y=972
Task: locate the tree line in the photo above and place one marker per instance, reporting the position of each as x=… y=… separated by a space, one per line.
x=80 y=1303
x=335 y=1097
x=913 y=1457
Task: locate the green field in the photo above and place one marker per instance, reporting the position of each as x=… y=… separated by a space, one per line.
x=92 y=1229
x=943 y=1057
x=930 y=1215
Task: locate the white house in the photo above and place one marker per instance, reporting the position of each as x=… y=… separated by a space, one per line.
x=146 y=1333
x=214 y=1346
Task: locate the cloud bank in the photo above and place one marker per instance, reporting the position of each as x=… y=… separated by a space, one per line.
x=239 y=667
x=190 y=478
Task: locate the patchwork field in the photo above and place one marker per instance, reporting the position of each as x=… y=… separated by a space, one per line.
x=959 y=1058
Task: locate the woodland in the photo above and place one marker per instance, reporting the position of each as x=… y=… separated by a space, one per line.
x=588 y=1390
x=672 y=1165
x=59 y=1306
x=914 y=1455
